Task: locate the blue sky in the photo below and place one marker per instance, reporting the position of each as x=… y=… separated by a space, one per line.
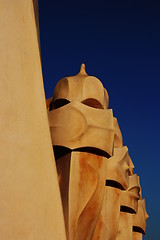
x=120 y=44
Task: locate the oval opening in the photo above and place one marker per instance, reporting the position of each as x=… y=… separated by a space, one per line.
x=58 y=103
x=92 y=102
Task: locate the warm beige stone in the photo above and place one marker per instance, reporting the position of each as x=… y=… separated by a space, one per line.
x=135 y=224
x=130 y=197
x=136 y=236
x=30 y=205
x=82 y=184
x=139 y=219
x=125 y=226
x=118 y=167
x=36 y=13
x=80 y=117
x=131 y=168
x=118 y=140
x=117 y=178
x=76 y=125
x=82 y=88
x=129 y=205
x=48 y=102
x=80 y=121
x=108 y=221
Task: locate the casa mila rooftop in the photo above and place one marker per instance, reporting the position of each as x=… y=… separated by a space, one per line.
x=101 y=195
x=65 y=173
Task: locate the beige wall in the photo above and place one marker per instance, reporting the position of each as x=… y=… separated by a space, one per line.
x=30 y=206
x=35 y=5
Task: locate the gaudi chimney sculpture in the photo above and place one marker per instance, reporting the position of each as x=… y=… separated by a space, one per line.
x=85 y=120
x=139 y=220
x=99 y=190
x=86 y=189
x=82 y=130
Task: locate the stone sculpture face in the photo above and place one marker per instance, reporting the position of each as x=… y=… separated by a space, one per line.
x=139 y=219
x=130 y=197
x=117 y=179
x=82 y=125
x=118 y=168
x=79 y=116
x=81 y=88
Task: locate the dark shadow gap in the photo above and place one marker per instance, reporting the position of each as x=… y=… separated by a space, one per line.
x=92 y=150
x=114 y=184
x=60 y=151
x=58 y=103
x=92 y=102
x=138 y=229
x=127 y=209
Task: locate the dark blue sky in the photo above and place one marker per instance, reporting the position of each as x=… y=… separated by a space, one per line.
x=120 y=44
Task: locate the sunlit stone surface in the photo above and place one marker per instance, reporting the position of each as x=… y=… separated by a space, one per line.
x=87 y=188
x=99 y=189
x=30 y=204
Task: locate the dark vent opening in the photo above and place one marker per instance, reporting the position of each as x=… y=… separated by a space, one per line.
x=138 y=229
x=92 y=102
x=60 y=151
x=58 y=103
x=127 y=209
x=92 y=150
x=114 y=184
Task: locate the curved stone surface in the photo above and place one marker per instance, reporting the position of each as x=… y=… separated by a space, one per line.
x=30 y=203
x=117 y=167
x=82 y=183
x=130 y=197
x=81 y=88
x=118 y=140
x=139 y=219
x=117 y=179
x=78 y=115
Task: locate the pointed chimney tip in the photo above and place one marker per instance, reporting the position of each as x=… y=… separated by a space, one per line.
x=83 y=69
